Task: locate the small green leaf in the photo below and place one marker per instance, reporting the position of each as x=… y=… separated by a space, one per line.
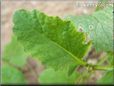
x=50 y=76
x=14 y=53
x=55 y=42
x=11 y=75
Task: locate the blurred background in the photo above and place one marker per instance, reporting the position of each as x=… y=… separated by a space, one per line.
x=59 y=8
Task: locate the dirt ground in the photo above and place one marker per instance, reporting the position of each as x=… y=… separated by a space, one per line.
x=55 y=8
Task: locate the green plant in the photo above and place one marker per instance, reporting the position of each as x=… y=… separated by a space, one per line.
x=60 y=45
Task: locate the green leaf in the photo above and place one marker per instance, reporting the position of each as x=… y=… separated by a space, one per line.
x=99 y=27
x=50 y=76
x=108 y=78
x=55 y=42
x=11 y=75
x=14 y=53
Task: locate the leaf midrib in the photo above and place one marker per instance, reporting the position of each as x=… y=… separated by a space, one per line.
x=73 y=56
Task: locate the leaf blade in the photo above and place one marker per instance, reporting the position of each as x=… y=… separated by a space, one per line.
x=14 y=53
x=99 y=27
x=50 y=38
x=50 y=76
x=11 y=75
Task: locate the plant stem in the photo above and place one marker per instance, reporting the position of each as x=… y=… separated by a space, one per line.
x=97 y=67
